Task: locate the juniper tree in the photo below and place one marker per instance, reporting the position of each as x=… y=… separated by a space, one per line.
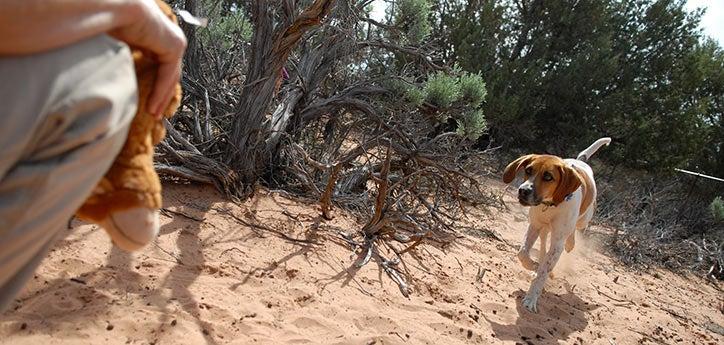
x=562 y=73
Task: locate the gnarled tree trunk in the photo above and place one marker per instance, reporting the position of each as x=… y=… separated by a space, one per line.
x=250 y=156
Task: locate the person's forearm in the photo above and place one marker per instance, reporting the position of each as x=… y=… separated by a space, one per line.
x=32 y=26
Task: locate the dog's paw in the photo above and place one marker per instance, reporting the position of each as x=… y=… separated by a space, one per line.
x=527 y=262
x=531 y=303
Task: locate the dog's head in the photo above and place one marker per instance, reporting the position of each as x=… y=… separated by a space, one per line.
x=547 y=179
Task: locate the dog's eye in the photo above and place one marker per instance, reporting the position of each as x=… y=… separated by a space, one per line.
x=528 y=170
x=547 y=177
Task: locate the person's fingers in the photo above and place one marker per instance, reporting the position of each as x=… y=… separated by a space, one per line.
x=168 y=76
x=156 y=33
x=164 y=104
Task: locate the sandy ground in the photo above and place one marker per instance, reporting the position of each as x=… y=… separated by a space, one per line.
x=210 y=279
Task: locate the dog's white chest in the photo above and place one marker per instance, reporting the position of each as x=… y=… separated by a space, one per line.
x=544 y=215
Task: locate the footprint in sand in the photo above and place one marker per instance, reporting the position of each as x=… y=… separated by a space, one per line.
x=301 y=297
x=499 y=311
x=308 y=323
x=57 y=305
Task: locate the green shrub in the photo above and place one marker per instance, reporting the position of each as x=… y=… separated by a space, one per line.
x=472 y=125
x=412 y=16
x=402 y=89
x=442 y=90
x=414 y=95
x=717 y=209
x=472 y=87
x=224 y=30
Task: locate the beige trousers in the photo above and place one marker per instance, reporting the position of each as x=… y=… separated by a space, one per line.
x=64 y=115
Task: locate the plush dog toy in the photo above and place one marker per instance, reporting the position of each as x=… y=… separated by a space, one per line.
x=127 y=200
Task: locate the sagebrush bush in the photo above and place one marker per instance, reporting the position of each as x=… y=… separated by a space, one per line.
x=415 y=96
x=442 y=90
x=400 y=88
x=472 y=125
x=472 y=88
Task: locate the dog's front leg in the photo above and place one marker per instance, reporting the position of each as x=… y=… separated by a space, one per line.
x=530 y=301
x=524 y=254
x=543 y=248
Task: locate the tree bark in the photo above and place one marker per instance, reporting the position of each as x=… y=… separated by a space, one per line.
x=249 y=155
x=190 y=31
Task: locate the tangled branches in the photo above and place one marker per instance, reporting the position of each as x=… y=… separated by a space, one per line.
x=663 y=221
x=326 y=103
x=407 y=183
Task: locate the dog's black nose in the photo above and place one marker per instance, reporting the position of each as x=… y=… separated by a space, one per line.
x=524 y=192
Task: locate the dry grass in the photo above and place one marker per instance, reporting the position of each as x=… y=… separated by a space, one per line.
x=661 y=220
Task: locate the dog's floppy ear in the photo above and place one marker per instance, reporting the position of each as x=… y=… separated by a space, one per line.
x=512 y=169
x=569 y=181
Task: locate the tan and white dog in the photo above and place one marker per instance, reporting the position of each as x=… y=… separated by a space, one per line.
x=561 y=194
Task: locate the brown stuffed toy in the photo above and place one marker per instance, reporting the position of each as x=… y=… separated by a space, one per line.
x=127 y=200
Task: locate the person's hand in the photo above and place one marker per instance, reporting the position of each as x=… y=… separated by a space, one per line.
x=150 y=29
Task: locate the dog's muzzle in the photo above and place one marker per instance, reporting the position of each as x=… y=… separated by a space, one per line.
x=526 y=195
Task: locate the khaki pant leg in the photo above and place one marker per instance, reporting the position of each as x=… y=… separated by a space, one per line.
x=64 y=115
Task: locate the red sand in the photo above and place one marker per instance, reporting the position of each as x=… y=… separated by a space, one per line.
x=220 y=282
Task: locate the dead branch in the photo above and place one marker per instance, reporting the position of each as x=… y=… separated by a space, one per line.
x=388 y=266
x=403 y=49
x=182 y=172
x=167 y=211
x=325 y=202
x=375 y=223
x=369 y=248
x=598 y=289
x=179 y=138
x=481 y=274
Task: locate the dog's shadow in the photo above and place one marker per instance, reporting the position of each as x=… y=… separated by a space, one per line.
x=557 y=318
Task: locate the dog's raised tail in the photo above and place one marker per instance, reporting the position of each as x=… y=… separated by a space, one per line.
x=587 y=153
